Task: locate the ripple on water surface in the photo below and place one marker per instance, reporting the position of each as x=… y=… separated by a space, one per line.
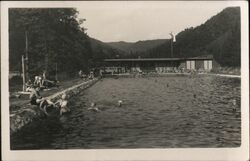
x=157 y=112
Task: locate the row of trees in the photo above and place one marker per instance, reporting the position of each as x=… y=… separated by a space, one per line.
x=56 y=39
x=220 y=36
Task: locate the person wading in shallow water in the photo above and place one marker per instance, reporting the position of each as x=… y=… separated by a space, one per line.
x=62 y=104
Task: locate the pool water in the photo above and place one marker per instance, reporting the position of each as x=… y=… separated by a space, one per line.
x=157 y=112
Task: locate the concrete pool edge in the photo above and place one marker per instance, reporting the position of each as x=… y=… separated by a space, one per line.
x=224 y=75
x=179 y=74
x=29 y=113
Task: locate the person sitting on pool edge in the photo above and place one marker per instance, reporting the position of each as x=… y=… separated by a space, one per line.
x=44 y=104
x=62 y=104
x=37 y=99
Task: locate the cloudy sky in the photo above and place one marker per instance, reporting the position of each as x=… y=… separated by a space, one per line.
x=133 y=21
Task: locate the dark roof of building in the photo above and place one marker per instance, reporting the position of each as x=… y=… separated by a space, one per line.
x=206 y=57
x=144 y=59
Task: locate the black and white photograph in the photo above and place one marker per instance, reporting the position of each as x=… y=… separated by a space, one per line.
x=123 y=75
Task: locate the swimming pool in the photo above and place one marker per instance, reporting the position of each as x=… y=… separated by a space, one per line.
x=157 y=112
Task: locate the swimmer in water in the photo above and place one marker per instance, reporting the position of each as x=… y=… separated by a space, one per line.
x=234 y=105
x=93 y=108
x=62 y=104
x=120 y=103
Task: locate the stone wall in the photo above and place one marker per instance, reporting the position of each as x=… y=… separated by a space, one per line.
x=28 y=112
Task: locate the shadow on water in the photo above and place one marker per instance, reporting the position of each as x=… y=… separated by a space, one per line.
x=162 y=112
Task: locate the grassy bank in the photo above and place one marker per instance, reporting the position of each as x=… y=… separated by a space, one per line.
x=17 y=101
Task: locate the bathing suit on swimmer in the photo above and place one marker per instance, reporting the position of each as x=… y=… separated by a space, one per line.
x=35 y=97
x=33 y=101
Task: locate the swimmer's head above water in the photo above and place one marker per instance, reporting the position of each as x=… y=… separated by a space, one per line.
x=120 y=103
x=64 y=96
x=234 y=102
x=92 y=104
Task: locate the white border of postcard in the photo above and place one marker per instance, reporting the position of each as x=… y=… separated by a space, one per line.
x=240 y=153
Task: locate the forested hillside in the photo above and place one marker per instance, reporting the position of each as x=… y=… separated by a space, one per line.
x=55 y=37
x=139 y=46
x=102 y=50
x=219 y=36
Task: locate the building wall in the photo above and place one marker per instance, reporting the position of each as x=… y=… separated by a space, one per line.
x=114 y=69
x=160 y=66
x=199 y=64
x=208 y=64
x=169 y=66
x=182 y=65
x=190 y=64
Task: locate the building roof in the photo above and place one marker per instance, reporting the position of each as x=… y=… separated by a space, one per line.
x=203 y=57
x=206 y=57
x=142 y=59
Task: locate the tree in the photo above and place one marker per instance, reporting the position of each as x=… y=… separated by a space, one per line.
x=54 y=36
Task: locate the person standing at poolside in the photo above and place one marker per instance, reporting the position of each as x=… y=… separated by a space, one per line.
x=80 y=74
x=43 y=78
x=100 y=72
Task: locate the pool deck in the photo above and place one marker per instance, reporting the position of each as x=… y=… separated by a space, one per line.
x=27 y=113
x=226 y=75
x=165 y=74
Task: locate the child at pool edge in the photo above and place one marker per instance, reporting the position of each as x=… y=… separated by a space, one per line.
x=62 y=104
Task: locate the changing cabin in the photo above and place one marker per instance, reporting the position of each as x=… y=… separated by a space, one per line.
x=159 y=65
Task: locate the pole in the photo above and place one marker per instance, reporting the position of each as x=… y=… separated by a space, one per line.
x=172 y=48
x=46 y=56
x=23 y=70
x=26 y=55
x=56 y=72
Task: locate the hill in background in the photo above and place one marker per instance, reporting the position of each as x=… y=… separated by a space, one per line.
x=102 y=50
x=139 y=46
x=219 y=36
x=57 y=42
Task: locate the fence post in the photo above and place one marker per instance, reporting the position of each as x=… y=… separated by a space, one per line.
x=24 y=74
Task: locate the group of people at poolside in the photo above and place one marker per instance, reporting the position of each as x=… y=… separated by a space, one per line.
x=61 y=104
x=84 y=76
x=44 y=104
x=41 y=82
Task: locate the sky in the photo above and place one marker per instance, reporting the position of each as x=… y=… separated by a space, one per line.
x=131 y=21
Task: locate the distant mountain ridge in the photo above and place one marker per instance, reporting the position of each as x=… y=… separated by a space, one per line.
x=219 y=36
x=65 y=43
x=139 y=46
x=102 y=50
